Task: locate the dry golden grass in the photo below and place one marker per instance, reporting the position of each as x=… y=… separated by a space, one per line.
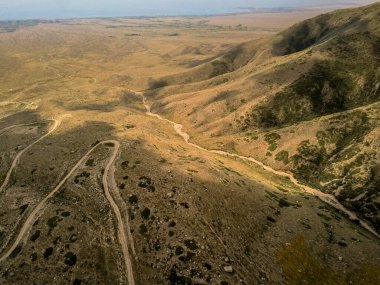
x=89 y=68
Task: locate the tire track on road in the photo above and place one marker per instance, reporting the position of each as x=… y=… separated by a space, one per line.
x=38 y=210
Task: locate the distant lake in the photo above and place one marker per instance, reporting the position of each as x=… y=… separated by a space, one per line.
x=56 y=9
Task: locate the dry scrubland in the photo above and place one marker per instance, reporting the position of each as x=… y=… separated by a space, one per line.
x=189 y=216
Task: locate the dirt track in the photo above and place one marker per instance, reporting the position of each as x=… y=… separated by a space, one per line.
x=327 y=198
x=18 y=156
x=108 y=175
x=15 y=126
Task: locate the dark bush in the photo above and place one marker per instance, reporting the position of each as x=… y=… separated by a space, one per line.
x=156 y=84
x=145 y=213
x=70 y=259
x=35 y=236
x=48 y=252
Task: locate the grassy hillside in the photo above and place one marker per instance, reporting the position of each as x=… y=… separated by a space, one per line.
x=190 y=216
x=234 y=59
x=316 y=85
x=326 y=27
x=348 y=76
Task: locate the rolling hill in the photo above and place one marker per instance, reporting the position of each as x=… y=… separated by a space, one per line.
x=101 y=184
x=306 y=100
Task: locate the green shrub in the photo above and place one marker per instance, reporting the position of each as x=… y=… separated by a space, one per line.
x=283 y=156
x=156 y=84
x=191 y=244
x=271 y=139
x=219 y=68
x=145 y=213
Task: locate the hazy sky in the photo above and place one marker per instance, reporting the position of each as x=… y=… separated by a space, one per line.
x=21 y=9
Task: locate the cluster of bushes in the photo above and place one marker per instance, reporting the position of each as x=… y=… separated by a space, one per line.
x=219 y=68
x=156 y=84
x=329 y=87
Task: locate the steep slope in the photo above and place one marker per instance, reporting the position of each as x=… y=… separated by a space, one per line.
x=307 y=102
x=346 y=77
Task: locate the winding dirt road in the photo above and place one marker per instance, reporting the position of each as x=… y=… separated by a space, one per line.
x=38 y=210
x=106 y=177
x=31 y=106
x=107 y=174
x=17 y=158
x=121 y=229
x=327 y=198
x=2 y=131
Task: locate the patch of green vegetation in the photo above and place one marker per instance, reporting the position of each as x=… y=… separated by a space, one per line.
x=185 y=205
x=175 y=279
x=53 y=222
x=329 y=87
x=283 y=156
x=308 y=161
x=145 y=213
x=48 y=252
x=133 y=199
x=283 y=203
x=143 y=229
x=219 y=68
x=151 y=188
x=65 y=214
x=325 y=217
x=179 y=250
x=187 y=157
x=185 y=258
x=191 y=244
x=270 y=219
x=16 y=251
x=225 y=168
x=90 y=162
x=156 y=84
x=271 y=194
x=282 y=189
x=23 y=208
x=33 y=256
x=70 y=259
x=271 y=139
x=2 y=177
x=35 y=236
x=366 y=274
x=352 y=127
x=79 y=177
x=301 y=267
x=303 y=35
x=312 y=163
x=144 y=181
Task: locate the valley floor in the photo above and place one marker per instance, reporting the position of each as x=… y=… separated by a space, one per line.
x=97 y=189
